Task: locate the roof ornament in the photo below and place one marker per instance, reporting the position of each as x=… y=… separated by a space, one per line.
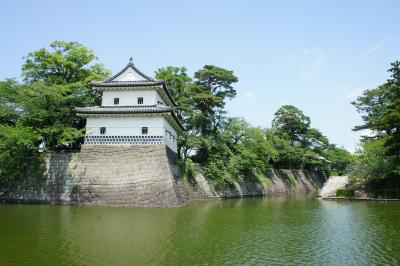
x=131 y=61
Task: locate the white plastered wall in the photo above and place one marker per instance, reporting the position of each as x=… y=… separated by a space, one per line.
x=130 y=98
x=170 y=139
x=125 y=126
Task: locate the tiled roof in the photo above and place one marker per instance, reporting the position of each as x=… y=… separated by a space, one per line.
x=124 y=109
x=128 y=83
x=130 y=64
x=130 y=110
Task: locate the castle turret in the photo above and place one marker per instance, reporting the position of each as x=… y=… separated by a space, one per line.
x=135 y=110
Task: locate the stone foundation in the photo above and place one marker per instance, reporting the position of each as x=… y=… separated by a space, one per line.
x=140 y=176
x=128 y=175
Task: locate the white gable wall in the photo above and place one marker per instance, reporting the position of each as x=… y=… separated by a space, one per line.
x=129 y=75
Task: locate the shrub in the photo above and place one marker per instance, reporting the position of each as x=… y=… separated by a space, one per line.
x=345 y=192
x=387 y=193
x=187 y=168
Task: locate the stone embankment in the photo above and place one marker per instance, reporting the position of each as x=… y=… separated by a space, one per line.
x=142 y=176
x=136 y=175
x=275 y=181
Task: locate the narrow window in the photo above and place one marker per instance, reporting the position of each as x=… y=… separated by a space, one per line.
x=145 y=130
x=140 y=100
x=102 y=130
x=116 y=101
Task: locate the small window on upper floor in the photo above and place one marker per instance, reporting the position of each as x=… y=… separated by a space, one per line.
x=145 y=130
x=116 y=101
x=102 y=130
x=140 y=100
x=159 y=102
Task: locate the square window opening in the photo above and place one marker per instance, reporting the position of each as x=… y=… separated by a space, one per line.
x=116 y=101
x=145 y=130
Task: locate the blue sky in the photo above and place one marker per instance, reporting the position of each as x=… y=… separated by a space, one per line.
x=316 y=55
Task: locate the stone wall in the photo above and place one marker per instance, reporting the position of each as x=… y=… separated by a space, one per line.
x=275 y=181
x=142 y=176
x=129 y=175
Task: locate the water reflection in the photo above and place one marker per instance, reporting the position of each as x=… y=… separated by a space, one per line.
x=283 y=230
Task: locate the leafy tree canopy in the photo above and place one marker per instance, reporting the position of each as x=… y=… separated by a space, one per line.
x=63 y=63
x=291 y=121
x=178 y=83
x=19 y=155
x=380 y=109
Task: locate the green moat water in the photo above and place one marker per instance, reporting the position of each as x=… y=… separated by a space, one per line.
x=288 y=230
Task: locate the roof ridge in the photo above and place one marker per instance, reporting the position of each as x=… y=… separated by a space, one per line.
x=132 y=65
x=156 y=106
x=142 y=105
x=127 y=83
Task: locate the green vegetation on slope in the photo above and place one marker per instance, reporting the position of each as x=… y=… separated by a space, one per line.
x=229 y=149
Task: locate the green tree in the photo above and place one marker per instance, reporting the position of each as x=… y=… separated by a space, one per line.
x=207 y=97
x=212 y=87
x=19 y=154
x=40 y=112
x=9 y=110
x=49 y=109
x=371 y=165
x=340 y=159
x=57 y=82
x=237 y=152
x=178 y=83
x=176 y=78
x=200 y=104
x=380 y=109
x=63 y=63
x=291 y=121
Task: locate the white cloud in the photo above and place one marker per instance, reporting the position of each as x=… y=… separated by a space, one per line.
x=250 y=95
x=372 y=49
x=312 y=62
x=351 y=93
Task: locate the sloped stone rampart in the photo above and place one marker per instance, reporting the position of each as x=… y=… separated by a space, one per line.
x=273 y=182
x=127 y=175
x=141 y=176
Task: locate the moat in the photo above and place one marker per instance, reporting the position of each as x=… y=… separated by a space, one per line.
x=289 y=230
